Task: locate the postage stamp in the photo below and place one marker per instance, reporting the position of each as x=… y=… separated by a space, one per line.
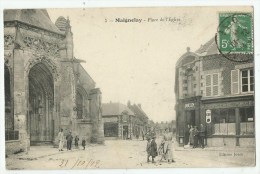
x=235 y=33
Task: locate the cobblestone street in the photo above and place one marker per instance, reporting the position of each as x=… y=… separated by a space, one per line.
x=127 y=154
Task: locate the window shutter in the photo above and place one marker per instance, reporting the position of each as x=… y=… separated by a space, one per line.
x=235 y=81
x=208 y=85
x=215 y=84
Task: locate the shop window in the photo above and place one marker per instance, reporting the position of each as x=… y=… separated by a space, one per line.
x=111 y=129
x=247 y=124
x=224 y=121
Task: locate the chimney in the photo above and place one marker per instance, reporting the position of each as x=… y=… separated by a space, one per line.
x=139 y=105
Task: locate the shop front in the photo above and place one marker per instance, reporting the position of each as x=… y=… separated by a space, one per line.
x=229 y=121
x=188 y=114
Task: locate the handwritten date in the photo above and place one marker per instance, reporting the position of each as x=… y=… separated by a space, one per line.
x=79 y=164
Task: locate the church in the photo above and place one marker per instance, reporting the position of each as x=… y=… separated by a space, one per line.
x=46 y=87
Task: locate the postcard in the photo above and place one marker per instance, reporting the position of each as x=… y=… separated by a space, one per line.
x=129 y=88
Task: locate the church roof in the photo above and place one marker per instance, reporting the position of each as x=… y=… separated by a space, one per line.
x=115 y=109
x=34 y=17
x=61 y=23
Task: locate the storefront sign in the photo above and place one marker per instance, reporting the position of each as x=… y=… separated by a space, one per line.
x=189 y=105
x=208 y=116
x=110 y=119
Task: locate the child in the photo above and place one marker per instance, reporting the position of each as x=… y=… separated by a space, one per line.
x=148 y=148
x=83 y=143
x=154 y=151
x=161 y=151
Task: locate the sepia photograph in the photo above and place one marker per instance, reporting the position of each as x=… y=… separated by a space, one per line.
x=129 y=88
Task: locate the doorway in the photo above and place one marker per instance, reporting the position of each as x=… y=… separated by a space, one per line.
x=190 y=117
x=41 y=103
x=125 y=132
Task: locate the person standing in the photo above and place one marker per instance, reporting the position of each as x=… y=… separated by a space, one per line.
x=69 y=139
x=83 y=143
x=191 y=137
x=148 y=149
x=187 y=134
x=143 y=134
x=61 y=140
x=196 y=137
x=202 y=133
x=168 y=146
x=154 y=151
x=77 y=142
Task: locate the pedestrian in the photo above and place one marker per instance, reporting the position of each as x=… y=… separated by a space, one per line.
x=196 y=137
x=187 y=134
x=154 y=152
x=77 y=142
x=148 y=149
x=161 y=150
x=69 y=139
x=191 y=137
x=83 y=143
x=202 y=135
x=168 y=146
x=61 y=140
x=143 y=134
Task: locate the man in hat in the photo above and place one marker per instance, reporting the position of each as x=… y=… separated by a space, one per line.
x=196 y=137
x=202 y=135
x=69 y=139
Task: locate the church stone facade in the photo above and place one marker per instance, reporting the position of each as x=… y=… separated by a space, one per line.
x=46 y=87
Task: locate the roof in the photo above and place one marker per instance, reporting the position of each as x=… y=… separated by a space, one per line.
x=115 y=109
x=84 y=76
x=137 y=110
x=35 y=17
x=209 y=48
x=61 y=23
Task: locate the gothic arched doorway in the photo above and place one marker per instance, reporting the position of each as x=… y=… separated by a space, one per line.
x=41 y=99
x=9 y=120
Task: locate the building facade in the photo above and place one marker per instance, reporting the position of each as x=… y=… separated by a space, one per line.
x=217 y=92
x=141 y=124
x=124 y=122
x=46 y=87
x=118 y=121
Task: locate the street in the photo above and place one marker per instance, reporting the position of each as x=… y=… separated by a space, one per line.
x=126 y=154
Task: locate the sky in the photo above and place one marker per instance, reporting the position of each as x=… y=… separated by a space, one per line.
x=136 y=61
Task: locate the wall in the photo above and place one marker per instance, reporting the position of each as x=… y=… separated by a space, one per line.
x=219 y=62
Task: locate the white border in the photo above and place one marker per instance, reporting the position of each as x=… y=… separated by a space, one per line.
x=12 y=4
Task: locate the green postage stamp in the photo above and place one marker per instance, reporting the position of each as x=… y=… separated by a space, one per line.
x=235 y=33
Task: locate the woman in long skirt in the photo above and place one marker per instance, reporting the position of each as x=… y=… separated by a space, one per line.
x=168 y=147
x=191 y=135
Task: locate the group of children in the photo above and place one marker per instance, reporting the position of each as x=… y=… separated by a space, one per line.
x=165 y=149
x=151 y=148
x=69 y=139
x=83 y=143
